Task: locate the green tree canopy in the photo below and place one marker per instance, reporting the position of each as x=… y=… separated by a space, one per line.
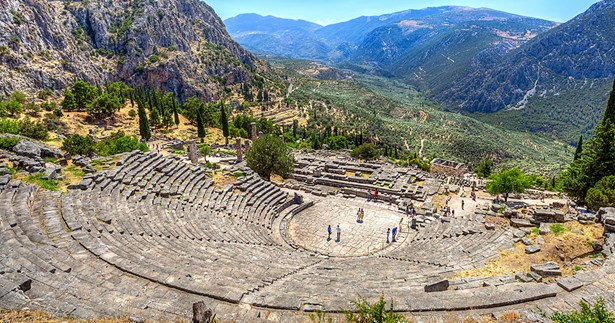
x=485 y=168
x=508 y=181
x=269 y=155
x=602 y=194
x=78 y=145
x=367 y=151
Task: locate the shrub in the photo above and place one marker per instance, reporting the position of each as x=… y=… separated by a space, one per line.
x=132 y=113
x=366 y=151
x=7 y=143
x=33 y=129
x=596 y=314
x=78 y=145
x=119 y=143
x=212 y=165
x=9 y=126
x=376 y=312
x=602 y=194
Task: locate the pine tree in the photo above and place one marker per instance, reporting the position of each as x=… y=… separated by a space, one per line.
x=200 y=127
x=144 y=130
x=579 y=151
x=224 y=123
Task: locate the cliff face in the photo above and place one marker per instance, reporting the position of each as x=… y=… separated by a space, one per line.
x=176 y=45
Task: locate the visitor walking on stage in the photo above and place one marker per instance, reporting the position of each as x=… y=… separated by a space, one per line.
x=388 y=233
x=339 y=233
x=462 y=204
x=329 y=232
x=394 y=233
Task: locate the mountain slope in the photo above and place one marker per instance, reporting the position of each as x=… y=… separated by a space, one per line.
x=389 y=112
x=277 y=36
x=581 y=49
x=175 y=45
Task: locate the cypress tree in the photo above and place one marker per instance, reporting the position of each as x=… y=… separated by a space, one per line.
x=610 y=108
x=175 y=114
x=144 y=130
x=579 y=151
x=224 y=122
x=295 y=126
x=200 y=127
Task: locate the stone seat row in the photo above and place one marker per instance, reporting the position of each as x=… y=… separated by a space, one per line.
x=42 y=268
x=162 y=252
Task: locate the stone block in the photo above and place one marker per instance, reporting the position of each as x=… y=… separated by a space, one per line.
x=544 y=228
x=570 y=283
x=520 y=223
x=524 y=277
x=532 y=249
x=437 y=286
x=547 y=269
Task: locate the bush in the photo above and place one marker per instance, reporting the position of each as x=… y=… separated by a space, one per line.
x=376 y=312
x=33 y=129
x=213 y=166
x=132 y=113
x=7 y=143
x=602 y=194
x=596 y=314
x=366 y=151
x=119 y=143
x=9 y=126
x=78 y=145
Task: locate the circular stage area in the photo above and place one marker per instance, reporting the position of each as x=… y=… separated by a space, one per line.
x=308 y=229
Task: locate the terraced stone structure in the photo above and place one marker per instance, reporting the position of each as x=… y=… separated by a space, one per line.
x=155 y=235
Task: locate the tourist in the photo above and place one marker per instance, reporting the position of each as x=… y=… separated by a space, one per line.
x=462 y=204
x=369 y=195
x=394 y=234
x=339 y=233
x=329 y=232
x=388 y=233
x=359 y=216
x=376 y=195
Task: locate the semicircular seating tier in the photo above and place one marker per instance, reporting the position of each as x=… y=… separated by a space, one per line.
x=155 y=234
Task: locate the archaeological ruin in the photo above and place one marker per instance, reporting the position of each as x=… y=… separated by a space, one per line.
x=153 y=234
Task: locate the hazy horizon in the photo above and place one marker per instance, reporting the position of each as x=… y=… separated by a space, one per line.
x=334 y=11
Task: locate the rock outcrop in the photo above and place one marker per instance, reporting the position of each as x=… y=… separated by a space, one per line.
x=175 y=45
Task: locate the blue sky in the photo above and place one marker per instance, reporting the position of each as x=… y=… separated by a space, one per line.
x=332 y=11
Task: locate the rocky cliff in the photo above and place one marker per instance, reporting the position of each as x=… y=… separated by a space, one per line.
x=176 y=45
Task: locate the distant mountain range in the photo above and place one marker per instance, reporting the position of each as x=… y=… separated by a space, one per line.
x=468 y=59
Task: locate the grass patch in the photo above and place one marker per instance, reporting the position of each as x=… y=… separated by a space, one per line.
x=50 y=160
x=558 y=229
x=239 y=174
x=535 y=231
x=38 y=180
